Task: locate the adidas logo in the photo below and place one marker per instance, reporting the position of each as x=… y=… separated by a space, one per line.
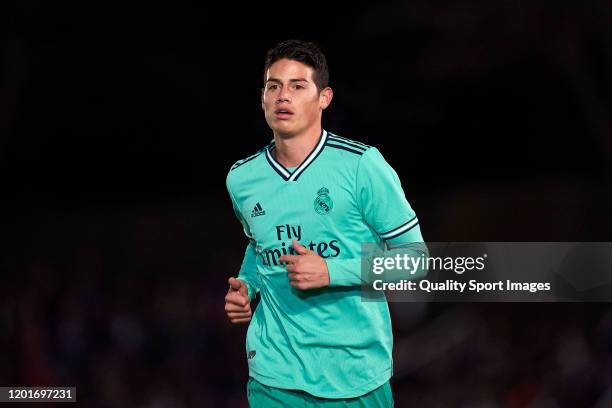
x=257 y=211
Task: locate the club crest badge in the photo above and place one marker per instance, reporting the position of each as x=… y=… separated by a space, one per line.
x=323 y=204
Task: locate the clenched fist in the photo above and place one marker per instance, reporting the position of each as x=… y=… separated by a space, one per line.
x=237 y=303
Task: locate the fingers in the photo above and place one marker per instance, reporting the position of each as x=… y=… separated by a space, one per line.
x=299 y=277
x=244 y=320
x=300 y=249
x=234 y=283
x=233 y=308
x=237 y=304
x=301 y=285
x=236 y=298
x=289 y=259
x=239 y=315
x=244 y=291
x=238 y=286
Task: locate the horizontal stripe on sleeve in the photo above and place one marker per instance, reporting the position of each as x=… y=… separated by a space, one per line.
x=402 y=229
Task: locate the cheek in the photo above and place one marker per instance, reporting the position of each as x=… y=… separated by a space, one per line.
x=267 y=99
x=266 y=106
x=313 y=108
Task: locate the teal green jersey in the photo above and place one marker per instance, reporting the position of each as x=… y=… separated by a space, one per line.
x=326 y=341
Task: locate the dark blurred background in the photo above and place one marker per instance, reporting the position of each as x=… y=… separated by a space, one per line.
x=118 y=126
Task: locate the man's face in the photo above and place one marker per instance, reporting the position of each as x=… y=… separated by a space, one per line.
x=290 y=99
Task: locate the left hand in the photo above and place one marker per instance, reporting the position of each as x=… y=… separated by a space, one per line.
x=306 y=270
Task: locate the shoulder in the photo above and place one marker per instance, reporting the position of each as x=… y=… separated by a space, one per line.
x=241 y=172
x=353 y=150
x=346 y=146
x=366 y=160
x=242 y=166
x=243 y=162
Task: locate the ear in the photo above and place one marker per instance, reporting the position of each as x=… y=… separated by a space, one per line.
x=325 y=97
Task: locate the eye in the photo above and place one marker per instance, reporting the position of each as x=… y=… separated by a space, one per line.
x=272 y=86
x=298 y=86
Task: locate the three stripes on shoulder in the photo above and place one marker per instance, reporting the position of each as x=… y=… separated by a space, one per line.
x=333 y=140
x=248 y=159
x=343 y=143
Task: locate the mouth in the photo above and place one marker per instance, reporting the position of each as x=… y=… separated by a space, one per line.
x=283 y=113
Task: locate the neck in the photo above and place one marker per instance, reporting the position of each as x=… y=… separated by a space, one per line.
x=292 y=151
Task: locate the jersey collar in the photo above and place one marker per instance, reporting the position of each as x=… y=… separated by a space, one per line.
x=293 y=176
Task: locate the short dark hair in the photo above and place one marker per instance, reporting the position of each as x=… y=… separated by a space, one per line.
x=307 y=53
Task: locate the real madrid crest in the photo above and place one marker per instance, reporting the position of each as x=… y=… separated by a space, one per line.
x=323 y=204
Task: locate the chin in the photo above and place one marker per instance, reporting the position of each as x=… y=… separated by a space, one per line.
x=284 y=131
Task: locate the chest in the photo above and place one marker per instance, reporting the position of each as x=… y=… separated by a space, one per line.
x=302 y=210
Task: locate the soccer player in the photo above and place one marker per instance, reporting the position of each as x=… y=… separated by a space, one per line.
x=307 y=201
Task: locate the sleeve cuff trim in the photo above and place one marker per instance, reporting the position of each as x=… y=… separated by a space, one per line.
x=402 y=229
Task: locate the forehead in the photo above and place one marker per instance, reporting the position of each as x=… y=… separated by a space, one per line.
x=286 y=69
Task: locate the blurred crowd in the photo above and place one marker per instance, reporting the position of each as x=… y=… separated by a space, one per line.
x=128 y=307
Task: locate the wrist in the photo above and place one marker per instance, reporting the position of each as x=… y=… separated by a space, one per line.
x=326 y=274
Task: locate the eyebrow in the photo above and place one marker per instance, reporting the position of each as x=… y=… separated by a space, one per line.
x=291 y=80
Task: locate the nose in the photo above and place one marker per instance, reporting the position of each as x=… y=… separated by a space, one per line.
x=283 y=95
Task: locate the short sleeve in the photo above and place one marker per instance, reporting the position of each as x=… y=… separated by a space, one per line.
x=382 y=200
